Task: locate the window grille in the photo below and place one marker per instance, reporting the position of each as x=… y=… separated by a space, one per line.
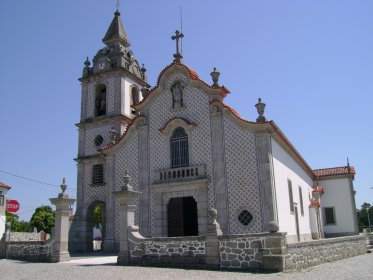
x=179 y=148
x=329 y=216
x=245 y=217
x=98 y=174
x=2 y=200
x=99 y=140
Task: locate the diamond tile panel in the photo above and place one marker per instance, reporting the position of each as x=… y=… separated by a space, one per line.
x=242 y=177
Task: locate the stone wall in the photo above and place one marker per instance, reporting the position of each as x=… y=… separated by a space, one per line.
x=28 y=236
x=24 y=236
x=171 y=251
x=305 y=254
x=253 y=252
x=249 y=252
x=30 y=250
x=34 y=251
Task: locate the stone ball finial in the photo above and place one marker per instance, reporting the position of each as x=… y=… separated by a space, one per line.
x=126 y=179
x=273 y=226
x=213 y=214
x=215 y=77
x=143 y=69
x=87 y=63
x=260 y=106
x=63 y=188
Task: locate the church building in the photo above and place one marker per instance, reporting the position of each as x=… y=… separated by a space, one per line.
x=187 y=152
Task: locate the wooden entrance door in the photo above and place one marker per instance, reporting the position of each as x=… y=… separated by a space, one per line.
x=182 y=217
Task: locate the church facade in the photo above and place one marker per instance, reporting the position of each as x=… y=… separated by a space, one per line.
x=187 y=152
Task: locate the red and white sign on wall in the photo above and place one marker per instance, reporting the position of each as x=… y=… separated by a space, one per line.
x=12 y=206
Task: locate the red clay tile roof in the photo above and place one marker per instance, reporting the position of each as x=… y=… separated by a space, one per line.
x=233 y=111
x=334 y=171
x=4 y=186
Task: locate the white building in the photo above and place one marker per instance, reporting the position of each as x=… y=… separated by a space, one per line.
x=188 y=151
x=3 y=194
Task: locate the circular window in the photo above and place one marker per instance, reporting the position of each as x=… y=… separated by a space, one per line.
x=99 y=140
x=245 y=217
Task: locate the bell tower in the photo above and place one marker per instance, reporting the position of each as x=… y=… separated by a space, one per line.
x=111 y=84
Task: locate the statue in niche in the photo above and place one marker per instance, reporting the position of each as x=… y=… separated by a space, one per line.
x=177 y=95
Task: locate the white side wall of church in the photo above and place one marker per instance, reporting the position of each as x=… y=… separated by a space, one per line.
x=196 y=109
x=242 y=177
x=335 y=193
x=286 y=168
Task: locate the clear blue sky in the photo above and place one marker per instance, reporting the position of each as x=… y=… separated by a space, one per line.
x=310 y=61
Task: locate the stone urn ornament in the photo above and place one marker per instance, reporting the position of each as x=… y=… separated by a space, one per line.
x=260 y=106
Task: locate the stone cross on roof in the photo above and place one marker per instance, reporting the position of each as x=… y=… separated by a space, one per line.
x=178 y=35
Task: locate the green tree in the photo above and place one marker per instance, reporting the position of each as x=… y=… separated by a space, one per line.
x=13 y=219
x=97 y=217
x=362 y=215
x=18 y=226
x=43 y=219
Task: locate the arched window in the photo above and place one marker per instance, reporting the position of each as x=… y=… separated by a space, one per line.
x=179 y=148
x=135 y=98
x=100 y=101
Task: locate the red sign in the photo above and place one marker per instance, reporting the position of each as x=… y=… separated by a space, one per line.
x=12 y=206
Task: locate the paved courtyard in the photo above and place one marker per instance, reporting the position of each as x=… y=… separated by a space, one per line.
x=360 y=267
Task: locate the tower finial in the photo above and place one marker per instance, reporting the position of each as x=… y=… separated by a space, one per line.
x=215 y=77
x=117 y=4
x=260 y=106
x=178 y=35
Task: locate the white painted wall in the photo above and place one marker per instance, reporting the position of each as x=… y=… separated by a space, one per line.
x=126 y=84
x=285 y=167
x=337 y=193
x=2 y=225
x=3 y=191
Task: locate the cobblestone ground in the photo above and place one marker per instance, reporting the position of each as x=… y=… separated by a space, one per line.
x=360 y=267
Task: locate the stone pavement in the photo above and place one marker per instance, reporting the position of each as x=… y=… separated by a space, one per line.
x=360 y=267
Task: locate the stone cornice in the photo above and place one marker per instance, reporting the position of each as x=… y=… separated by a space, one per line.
x=102 y=120
x=80 y=159
x=113 y=72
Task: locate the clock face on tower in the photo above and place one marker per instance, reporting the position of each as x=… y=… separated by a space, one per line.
x=101 y=65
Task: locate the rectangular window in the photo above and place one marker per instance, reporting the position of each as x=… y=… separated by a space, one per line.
x=329 y=213
x=2 y=200
x=98 y=174
x=301 y=201
x=291 y=200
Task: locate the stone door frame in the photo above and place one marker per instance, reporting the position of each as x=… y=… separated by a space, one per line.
x=162 y=193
